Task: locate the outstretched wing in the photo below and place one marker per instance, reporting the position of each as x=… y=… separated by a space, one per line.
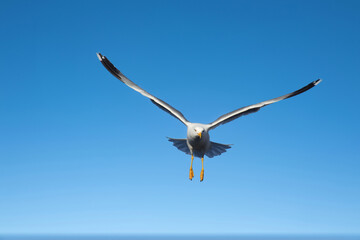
x=158 y=102
x=256 y=107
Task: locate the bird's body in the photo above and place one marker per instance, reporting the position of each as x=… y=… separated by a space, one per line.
x=197 y=142
x=198 y=145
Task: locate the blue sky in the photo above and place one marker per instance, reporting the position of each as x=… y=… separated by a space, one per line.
x=82 y=153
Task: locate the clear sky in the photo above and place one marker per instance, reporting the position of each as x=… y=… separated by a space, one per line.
x=82 y=153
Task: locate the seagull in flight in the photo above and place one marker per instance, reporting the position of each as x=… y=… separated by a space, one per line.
x=197 y=142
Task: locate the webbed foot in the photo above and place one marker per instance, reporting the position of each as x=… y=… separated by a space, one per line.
x=191 y=174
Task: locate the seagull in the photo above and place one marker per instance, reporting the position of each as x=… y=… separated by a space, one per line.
x=197 y=142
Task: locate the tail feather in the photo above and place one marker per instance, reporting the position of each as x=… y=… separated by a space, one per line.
x=180 y=144
x=216 y=149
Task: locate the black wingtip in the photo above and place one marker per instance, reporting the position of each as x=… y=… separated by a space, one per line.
x=317 y=82
x=100 y=57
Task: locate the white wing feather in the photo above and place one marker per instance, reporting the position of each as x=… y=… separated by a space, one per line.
x=256 y=107
x=158 y=102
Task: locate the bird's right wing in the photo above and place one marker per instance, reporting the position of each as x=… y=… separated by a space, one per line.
x=256 y=107
x=158 y=102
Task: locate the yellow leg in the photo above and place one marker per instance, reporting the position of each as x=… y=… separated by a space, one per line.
x=202 y=170
x=191 y=173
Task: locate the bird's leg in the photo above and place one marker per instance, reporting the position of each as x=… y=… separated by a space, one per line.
x=191 y=173
x=202 y=170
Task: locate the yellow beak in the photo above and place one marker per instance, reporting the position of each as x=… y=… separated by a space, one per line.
x=199 y=134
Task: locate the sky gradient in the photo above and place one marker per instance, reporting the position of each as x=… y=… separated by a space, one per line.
x=82 y=153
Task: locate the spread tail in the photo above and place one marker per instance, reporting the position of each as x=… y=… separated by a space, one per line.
x=216 y=149
x=180 y=144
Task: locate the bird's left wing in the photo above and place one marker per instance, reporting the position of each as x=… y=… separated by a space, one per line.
x=256 y=107
x=158 y=102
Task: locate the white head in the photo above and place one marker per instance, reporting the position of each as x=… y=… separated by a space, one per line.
x=199 y=131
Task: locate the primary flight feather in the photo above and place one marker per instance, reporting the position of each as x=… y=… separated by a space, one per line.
x=198 y=141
